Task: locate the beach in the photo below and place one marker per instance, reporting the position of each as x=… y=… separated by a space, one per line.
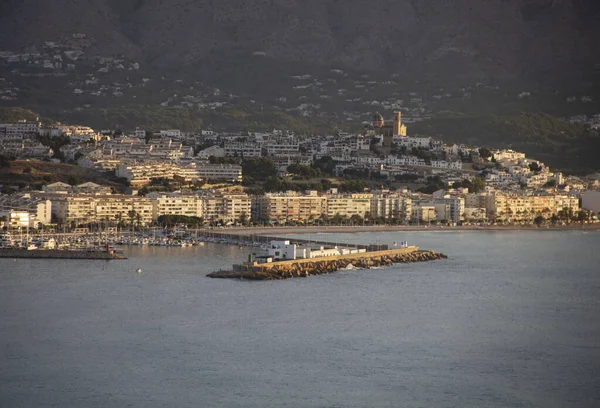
x=389 y=228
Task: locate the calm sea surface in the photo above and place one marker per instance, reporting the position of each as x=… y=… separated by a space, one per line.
x=511 y=319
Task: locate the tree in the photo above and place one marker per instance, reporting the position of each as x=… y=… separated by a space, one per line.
x=477 y=185
x=434 y=183
x=326 y=164
x=356 y=219
x=539 y=220
x=260 y=169
x=305 y=172
x=178 y=180
x=148 y=136
x=535 y=167
x=131 y=214
x=5 y=160
x=352 y=186
x=75 y=180
x=485 y=153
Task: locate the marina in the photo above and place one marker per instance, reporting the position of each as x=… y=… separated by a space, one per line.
x=270 y=257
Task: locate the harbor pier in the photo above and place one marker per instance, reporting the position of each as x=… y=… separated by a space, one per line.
x=300 y=268
x=58 y=254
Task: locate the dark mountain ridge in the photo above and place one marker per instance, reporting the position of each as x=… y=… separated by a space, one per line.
x=477 y=38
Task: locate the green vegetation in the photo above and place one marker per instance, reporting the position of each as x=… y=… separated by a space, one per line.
x=5 y=160
x=55 y=143
x=304 y=172
x=485 y=153
x=13 y=115
x=434 y=183
x=326 y=164
x=37 y=173
x=352 y=186
x=189 y=221
x=475 y=186
x=260 y=169
x=154 y=117
x=563 y=146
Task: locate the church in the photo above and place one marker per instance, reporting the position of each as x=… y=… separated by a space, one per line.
x=385 y=134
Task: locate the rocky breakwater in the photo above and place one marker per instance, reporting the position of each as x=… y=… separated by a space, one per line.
x=322 y=266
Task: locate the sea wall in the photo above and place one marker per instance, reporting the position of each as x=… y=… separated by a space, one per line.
x=301 y=268
x=57 y=254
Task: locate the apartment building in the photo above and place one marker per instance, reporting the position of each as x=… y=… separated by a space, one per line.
x=349 y=205
x=19 y=131
x=214 y=209
x=176 y=204
x=457 y=206
x=82 y=208
x=220 y=172
x=128 y=209
x=391 y=206
x=502 y=207
x=236 y=207
x=39 y=209
x=423 y=213
x=283 y=149
x=140 y=174
x=239 y=149
x=291 y=206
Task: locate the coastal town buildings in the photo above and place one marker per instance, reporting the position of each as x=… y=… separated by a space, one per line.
x=25 y=209
x=291 y=206
x=513 y=189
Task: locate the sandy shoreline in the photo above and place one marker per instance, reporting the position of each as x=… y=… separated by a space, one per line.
x=391 y=228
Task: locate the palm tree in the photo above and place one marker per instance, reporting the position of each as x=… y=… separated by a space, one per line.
x=131 y=214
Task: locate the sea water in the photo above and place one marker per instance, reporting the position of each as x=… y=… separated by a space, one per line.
x=511 y=319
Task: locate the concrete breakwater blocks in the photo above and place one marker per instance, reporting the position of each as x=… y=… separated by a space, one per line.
x=57 y=254
x=301 y=268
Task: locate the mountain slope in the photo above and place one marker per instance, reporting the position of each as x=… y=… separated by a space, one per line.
x=484 y=37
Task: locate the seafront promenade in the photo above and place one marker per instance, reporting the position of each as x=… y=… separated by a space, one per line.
x=334 y=229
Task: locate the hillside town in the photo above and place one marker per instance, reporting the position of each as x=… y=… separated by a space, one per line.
x=378 y=174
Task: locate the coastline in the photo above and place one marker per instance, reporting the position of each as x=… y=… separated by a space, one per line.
x=399 y=228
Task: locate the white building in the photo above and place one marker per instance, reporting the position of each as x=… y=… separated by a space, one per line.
x=215 y=151
x=176 y=133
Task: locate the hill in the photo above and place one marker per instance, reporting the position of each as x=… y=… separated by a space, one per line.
x=563 y=146
x=37 y=173
x=457 y=38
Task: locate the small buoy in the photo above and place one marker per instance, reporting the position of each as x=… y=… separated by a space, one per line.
x=139 y=270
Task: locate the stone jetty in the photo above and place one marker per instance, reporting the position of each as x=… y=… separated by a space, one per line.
x=301 y=268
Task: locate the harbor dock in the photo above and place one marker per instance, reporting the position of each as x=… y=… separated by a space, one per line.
x=299 y=268
x=58 y=254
